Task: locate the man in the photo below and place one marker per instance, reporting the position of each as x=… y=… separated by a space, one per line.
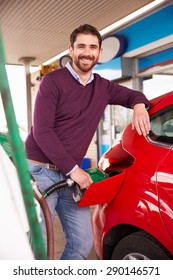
x=68 y=108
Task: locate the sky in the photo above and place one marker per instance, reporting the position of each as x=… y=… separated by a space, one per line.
x=16 y=79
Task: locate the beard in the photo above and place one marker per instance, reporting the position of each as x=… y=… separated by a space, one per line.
x=85 y=63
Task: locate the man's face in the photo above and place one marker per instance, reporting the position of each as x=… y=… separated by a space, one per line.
x=85 y=52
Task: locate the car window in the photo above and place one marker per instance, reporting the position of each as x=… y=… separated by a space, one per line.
x=162 y=126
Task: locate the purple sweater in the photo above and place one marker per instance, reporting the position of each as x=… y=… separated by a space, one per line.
x=67 y=114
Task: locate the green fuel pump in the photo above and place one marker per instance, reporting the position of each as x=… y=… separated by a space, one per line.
x=97 y=174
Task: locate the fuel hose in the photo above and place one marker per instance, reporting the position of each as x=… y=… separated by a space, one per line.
x=65 y=183
x=48 y=220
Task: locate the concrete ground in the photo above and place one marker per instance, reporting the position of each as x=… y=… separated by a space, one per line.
x=60 y=241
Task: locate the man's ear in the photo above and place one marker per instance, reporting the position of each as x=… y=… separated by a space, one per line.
x=70 y=50
x=100 y=53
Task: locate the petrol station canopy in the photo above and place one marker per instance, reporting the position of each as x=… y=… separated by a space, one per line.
x=40 y=29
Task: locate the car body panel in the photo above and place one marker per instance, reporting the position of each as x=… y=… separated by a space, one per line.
x=137 y=205
x=160 y=102
x=164 y=178
x=145 y=199
x=102 y=192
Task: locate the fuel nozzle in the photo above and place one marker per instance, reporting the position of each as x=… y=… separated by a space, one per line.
x=77 y=195
x=97 y=174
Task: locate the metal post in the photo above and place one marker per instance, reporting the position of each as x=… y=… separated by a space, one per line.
x=137 y=82
x=27 y=62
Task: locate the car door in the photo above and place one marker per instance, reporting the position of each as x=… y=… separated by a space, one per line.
x=164 y=178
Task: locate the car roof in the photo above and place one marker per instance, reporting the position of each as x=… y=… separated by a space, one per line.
x=160 y=102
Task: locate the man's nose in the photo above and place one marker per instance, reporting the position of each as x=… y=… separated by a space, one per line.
x=87 y=50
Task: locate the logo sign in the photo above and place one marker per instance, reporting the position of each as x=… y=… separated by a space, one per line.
x=64 y=59
x=113 y=46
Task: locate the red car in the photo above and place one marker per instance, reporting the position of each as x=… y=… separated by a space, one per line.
x=134 y=216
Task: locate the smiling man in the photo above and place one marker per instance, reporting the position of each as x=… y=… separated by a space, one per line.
x=68 y=107
x=85 y=52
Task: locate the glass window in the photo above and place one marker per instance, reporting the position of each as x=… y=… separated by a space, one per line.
x=162 y=126
x=158 y=84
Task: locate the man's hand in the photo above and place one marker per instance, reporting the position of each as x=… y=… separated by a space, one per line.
x=81 y=177
x=140 y=119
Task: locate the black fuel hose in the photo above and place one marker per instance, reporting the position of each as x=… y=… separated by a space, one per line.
x=65 y=183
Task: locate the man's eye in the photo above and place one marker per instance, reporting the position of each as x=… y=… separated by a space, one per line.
x=94 y=47
x=80 y=46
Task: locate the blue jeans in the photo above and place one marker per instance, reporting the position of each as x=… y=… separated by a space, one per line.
x=76 y=222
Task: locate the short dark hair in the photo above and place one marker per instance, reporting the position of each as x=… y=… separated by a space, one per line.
x=85 y=29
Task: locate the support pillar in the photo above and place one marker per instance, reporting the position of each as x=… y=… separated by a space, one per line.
x=27 y=62
x=137 y=82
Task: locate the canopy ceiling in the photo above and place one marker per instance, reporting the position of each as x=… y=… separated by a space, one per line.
x=41 y=28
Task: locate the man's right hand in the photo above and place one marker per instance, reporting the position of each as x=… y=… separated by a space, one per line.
x=81 y=177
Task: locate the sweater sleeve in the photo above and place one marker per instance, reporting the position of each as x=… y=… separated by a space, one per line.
x=46 y=104
x=120 y=95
